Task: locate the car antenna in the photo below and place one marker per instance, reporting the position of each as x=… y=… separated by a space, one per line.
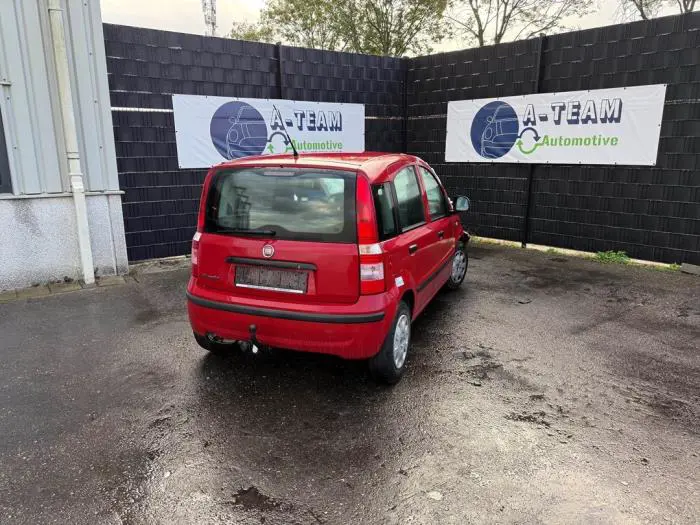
x=284 y=128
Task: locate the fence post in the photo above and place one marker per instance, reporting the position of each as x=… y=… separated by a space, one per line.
x=280 y=85
x=404 y=104
x=528 y=203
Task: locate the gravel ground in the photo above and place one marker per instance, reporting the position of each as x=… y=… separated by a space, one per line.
x=548 y=390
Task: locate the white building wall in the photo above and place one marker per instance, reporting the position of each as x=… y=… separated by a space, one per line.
x=38 y=242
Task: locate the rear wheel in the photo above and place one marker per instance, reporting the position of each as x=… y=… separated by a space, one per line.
x=220 y=349
x=389 y=364
x=460 y=263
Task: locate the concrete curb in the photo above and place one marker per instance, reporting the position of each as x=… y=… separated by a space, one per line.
x=692 y=269
x=58 y=288
x=572 y=253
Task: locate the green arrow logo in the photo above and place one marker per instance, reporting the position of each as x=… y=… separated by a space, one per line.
x=527 y=151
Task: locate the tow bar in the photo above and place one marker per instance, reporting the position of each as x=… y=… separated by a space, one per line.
x=253 y=340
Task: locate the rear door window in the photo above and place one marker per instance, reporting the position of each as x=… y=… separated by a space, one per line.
x=287 y=203
x=436 y=198
x=384 y=205
x=409 y=198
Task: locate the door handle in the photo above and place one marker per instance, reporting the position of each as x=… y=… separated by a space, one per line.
x=441 y=234
x=413 y=249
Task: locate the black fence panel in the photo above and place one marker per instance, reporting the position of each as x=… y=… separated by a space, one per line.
x=651 y=212
x=498 y=194
x=146 y=67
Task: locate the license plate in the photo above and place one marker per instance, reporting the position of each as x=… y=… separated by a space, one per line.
x=268 y=279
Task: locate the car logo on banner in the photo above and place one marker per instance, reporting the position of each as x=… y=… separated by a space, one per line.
x=238 y=130
x=268 y=251
x=494 y=129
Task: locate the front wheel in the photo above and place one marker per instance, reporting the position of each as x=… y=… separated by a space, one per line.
x=460 y=262
x=389 y=364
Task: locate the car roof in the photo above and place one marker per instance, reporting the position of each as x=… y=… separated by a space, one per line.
x=373 y=164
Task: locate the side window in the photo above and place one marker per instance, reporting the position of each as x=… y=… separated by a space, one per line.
x=384 y=204
x=408 y=198
x=436 y=198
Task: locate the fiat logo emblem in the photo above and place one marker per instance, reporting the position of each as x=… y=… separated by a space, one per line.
x=268 y=251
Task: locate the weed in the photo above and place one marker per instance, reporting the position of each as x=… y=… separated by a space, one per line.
x=667 y=267
x=612 y=256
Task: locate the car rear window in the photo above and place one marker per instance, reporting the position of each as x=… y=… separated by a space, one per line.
x=293 y=203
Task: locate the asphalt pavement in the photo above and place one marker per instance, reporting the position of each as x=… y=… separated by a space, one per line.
x=549 y=389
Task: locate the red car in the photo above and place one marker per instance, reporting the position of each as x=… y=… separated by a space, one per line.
x=329 y=253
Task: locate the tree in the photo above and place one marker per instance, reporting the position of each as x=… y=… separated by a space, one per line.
x=254 y=32
x=377 y=27
x=304 y=23
x=646 y=9
x=494 y=21
x=393 y=27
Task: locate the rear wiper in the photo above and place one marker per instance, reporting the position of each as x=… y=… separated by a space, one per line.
x=241 y=231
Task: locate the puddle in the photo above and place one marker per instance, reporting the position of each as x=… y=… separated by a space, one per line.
x=252 y=498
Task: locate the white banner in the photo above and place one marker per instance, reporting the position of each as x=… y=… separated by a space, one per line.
x=601 y=126
x=210 y=130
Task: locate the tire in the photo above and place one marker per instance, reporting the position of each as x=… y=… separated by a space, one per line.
x=460 y=264
x=386 y=367
x=219 y=349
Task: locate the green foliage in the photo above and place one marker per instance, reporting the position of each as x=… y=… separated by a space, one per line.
x=612 y=256
x=374 y=27
x=252 y=32
x=304 y=23
x=393 y=27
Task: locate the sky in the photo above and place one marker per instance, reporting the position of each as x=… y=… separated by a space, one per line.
x=186 y=15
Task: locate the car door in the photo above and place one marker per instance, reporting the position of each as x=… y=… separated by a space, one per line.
x=414 y=244
x=441 y=227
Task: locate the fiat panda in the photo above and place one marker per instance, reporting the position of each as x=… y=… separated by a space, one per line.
x=329 y=253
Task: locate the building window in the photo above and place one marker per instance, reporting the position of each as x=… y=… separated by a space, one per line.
x=5 y=182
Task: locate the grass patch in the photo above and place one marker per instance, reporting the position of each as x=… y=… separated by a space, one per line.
x=612 y=256
x=667 y=268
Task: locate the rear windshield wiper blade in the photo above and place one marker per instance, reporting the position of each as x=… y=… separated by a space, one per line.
x=241 y=231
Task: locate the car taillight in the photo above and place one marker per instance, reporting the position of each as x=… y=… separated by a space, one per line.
x=371 y=253
x=195 y=254
x=201 y=219
x=371 y=269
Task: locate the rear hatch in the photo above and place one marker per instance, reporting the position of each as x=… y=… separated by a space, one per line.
x=287 y=234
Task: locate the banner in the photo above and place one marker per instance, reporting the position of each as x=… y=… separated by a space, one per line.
x=210 y=130
x=601 y=126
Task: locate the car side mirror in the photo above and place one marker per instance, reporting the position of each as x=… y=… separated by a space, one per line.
x=462 y=203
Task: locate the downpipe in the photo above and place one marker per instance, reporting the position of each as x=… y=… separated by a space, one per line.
x=58 y=40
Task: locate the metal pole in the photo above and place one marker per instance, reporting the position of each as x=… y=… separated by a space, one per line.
x=58 y=39
x=404 y=104
x=280 y=84
x=528 y=203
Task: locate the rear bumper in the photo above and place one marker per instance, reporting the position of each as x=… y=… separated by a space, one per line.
x=357 y=333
